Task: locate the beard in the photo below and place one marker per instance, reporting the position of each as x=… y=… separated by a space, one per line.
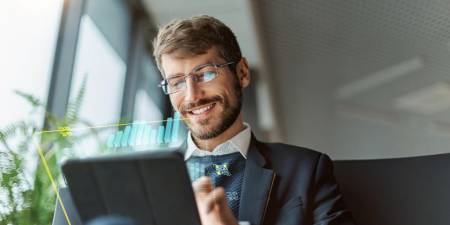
x=231 y=109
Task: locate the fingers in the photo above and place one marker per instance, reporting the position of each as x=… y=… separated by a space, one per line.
x=209 y=196
x=202 y=186
x=215 y=197
x=212 y=203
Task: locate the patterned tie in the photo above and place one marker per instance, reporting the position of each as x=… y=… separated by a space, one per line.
x=224 y=170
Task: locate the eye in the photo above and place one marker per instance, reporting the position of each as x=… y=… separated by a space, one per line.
x=209 y=75
x=180 y=84
x=177 y=82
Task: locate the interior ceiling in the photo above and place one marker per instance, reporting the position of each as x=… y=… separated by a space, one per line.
x=373 y=52
x=366 y=53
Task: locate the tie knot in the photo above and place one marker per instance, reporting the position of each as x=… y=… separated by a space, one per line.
x=213 y=165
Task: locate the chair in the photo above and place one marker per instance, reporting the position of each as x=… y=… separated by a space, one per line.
x=403 y=191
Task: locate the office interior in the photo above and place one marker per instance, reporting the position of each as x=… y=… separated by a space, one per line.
x=357 y=80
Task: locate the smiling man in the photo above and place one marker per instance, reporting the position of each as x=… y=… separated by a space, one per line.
x=237 y=178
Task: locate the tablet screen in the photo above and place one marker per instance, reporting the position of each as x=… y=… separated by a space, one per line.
x=149 y=188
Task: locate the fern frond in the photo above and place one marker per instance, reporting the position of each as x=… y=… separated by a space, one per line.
x=73 y=108
x=11 y=130
x=34 y=101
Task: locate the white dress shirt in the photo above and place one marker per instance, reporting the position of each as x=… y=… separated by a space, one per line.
x=238 y=143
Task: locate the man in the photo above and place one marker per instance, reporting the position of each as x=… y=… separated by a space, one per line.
x=260 y=183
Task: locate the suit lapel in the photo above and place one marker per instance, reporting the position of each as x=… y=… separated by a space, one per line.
x=256 y=187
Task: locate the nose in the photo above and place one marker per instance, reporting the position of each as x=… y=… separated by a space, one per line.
x=192 y=92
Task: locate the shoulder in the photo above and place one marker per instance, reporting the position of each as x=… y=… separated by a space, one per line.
x=284 y=155
x=281 y=150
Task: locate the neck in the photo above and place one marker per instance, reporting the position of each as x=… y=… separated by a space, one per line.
x=212 y=143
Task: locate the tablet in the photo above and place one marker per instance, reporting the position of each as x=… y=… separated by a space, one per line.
x=151 y=188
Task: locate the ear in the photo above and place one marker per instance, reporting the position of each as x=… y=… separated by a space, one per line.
x=243 y=72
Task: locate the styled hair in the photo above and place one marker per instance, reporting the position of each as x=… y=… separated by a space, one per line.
x=195 y=36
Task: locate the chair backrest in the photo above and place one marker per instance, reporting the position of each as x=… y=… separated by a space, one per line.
x=412 y=191
x=59 y=218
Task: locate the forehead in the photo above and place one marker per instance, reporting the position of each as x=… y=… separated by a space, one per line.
x=181 y=63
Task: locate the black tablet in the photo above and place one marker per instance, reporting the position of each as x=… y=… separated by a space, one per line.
x=151 y=188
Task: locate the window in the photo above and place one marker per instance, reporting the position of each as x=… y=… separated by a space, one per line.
x=104 y=71
x=101 y=62
x=149 y=98
x=29 y=31
x=28 y=40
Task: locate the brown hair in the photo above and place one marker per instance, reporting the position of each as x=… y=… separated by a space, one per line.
x=194 y=36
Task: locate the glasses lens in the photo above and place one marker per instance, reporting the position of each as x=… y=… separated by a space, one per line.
x=206 y=74
x=176 y=83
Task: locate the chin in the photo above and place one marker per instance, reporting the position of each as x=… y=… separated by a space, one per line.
x=205 y=131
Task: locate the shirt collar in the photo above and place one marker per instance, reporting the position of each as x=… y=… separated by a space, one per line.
x=238 y=143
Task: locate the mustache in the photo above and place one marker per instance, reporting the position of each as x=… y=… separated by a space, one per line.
x=189 y=105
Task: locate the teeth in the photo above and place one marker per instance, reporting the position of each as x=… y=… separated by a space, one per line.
x=201 y=110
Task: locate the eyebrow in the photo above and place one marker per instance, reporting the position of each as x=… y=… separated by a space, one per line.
x=174 y=75
x=193 y=69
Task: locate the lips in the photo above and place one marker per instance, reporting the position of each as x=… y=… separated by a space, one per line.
x=201 y=111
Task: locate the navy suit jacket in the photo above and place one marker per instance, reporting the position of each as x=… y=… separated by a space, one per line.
x=290 y=185
x=283 y=185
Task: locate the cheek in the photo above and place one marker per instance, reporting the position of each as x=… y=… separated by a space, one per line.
x=175 y=101
x=223 y=87
x=230 y=91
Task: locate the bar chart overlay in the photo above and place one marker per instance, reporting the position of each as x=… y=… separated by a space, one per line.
x=148 y=134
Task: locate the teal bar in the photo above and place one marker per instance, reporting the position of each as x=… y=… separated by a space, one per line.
x=139 y=134
x=126 y=136
x=132 y=138
x=110 y=142
x=168 y=134
x=153 y=136
x=118 y=139
x=175 y=127
x=160 y=138
x=146 y=135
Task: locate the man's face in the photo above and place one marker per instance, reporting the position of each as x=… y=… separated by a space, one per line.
x=209 y=108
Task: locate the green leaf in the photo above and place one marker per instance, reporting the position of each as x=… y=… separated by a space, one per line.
x=32 y=202
x=10 y=130
x=73 y=108
x=35 y=102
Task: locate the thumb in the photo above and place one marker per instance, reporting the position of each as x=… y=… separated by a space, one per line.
x=202 y=186
x=215 y=197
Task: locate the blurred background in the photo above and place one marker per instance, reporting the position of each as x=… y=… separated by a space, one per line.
x=354 y=79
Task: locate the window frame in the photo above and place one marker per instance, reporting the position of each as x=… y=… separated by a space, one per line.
x=65 y=54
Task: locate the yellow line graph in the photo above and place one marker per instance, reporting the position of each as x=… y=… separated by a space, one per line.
x=62 y=129
x=52 y=180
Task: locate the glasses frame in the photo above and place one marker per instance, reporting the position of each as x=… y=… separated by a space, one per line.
x=164 y=83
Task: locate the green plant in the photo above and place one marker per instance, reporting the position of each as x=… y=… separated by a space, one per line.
x=26 y=193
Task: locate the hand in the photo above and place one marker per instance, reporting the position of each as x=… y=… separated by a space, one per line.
x=212 y=204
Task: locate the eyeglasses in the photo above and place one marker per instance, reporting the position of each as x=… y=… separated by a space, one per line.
x=200 y=74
